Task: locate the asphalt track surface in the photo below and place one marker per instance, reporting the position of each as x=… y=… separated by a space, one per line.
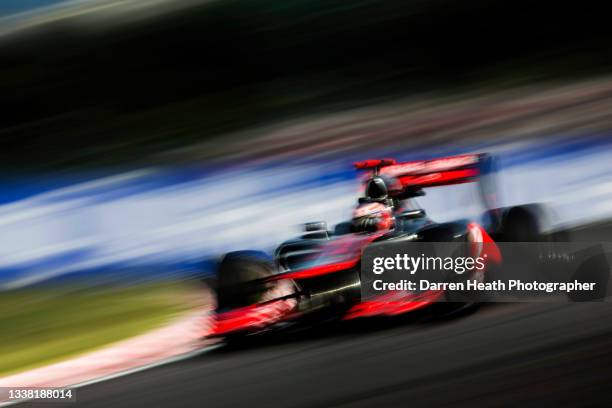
x=522 y=354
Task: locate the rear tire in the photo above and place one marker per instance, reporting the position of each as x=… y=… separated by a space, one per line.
x=521 y=225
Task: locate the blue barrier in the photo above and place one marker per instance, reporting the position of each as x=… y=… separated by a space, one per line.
x=163 y=221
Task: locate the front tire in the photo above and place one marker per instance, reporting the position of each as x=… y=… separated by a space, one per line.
x=237 y=278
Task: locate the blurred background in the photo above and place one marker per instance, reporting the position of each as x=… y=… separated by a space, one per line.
x=141 y=139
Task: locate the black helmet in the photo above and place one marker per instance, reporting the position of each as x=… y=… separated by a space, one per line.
x=381 y=188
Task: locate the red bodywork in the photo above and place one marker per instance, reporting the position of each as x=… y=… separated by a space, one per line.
x=427 y=173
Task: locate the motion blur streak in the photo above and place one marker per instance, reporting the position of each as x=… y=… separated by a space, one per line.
x=142 y=140
x=162 y=216
x=392 y=304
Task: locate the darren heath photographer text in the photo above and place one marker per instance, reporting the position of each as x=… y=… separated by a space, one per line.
x=473 y=284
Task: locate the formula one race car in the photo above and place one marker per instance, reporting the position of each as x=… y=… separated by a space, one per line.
x=319 y=273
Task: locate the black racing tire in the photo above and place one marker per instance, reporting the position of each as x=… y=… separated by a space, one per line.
x=594 y=269
x=237 y=277
x=521 y=225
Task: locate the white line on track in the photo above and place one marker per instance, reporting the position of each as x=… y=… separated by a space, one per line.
x=170 y=360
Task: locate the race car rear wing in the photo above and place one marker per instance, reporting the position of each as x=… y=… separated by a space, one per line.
x=428 y=173
x=443 y=171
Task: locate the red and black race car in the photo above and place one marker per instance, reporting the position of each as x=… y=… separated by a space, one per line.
x=319 y=273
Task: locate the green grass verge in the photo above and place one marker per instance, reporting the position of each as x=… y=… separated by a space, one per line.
x=42 y=326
